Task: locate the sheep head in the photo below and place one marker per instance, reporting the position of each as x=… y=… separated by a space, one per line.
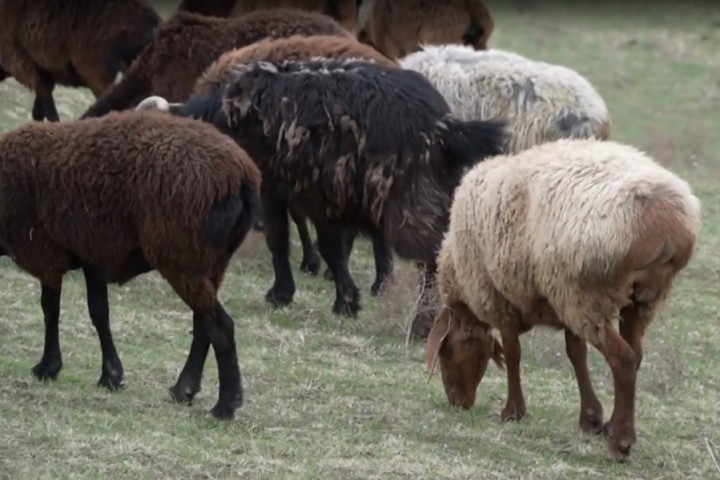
x=464 y=346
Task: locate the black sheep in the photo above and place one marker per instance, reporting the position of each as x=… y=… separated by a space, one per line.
x=361 y=147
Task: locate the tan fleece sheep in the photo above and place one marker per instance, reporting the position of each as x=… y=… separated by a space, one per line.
x=543 y=102
x=571 y=234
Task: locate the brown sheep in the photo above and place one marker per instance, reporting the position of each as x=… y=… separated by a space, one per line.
x=120 y=196
x=298 y=47
x=573 y=235
x=77 y=43
x=398 y=31
x=187 y=43
x=344 y=11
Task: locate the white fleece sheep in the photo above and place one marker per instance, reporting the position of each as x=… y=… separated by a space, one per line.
x=543 y=102
x=571 y=234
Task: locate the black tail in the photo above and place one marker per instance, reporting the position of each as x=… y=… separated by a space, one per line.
x=134 y=87
x=230 y=220
x=468 y=142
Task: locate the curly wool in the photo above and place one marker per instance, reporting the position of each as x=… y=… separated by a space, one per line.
x=542 y=102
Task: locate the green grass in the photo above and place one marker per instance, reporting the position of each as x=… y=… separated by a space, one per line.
x=333 y=398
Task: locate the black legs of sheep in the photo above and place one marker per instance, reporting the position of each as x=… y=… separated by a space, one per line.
x=51 y=362
x=332 y=243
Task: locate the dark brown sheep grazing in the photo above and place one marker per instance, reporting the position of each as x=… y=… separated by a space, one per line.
x=77 y=43
x=303 y=48
x=186 y=44
x=397 y=32
x=344 y=11
x=121 y=196
x=358 y=146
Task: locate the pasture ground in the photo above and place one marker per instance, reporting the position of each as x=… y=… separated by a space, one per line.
x=333 y=398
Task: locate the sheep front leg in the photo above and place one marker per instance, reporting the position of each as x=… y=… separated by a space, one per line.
x=97 y=300
x=515 y=404
x=591 y=410
x=332 y=242
x=277 y=237
x=190 y=379
x=620 y=429
x=51 y=362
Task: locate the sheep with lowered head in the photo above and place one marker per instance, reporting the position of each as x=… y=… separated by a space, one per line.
x=120 y=196
x=360 y=147
x=573 y=235
x=542 y=102
x=186 y=44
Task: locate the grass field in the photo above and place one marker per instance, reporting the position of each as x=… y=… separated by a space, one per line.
x=333 y=398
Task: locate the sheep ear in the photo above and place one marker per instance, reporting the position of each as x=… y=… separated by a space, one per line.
x=438 y=333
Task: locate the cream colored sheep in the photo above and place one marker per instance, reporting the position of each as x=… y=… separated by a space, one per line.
x=542 y=102
x=571 y=234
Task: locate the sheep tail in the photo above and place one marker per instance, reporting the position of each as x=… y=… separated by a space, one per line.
x=467 y=142
x=230 y=220
x=134 y=86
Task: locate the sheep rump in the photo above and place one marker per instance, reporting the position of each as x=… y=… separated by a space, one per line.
x=542 y=102
x=121 y=196
x=186 y=44
x=45 y=42
x=570 y=234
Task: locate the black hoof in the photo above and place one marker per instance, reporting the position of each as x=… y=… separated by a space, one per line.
x=310 y=265
x=47 y=369
x=347 y=308
x=379 y=286
x=113 y=380
x=226 y=410
x=327 y=275
x=183 y=393
x=278 y=298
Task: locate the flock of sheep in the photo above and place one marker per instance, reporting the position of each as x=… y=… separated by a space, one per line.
x=493 y=172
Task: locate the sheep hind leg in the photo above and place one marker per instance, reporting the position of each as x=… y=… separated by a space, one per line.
x=514 y=408
x=111 y=376
x=51 y=362
x=190 y=380
x=591 y=410
x=383 y=264
x=311 y=259
x=333 y=243
x=634 y=319
x=200 y=294
x=620 y=429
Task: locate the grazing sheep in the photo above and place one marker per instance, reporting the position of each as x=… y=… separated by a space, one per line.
x=187 y=43
x=46 y=42
x=571 y=234
x=360 y=147
x=397 y=32
x=298 y=47
x=543 y=102
x=121 y=196
x=344 y=11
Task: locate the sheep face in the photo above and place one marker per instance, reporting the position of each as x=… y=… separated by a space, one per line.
x=464 y=346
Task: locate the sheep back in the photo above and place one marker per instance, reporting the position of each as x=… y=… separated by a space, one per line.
x=562 y=220
x=105 y=190
x=296 y=47
x=543 y=102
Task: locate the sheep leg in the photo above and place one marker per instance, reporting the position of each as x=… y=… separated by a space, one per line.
x=190 y=379
x=620 y=429
x=111 y=376
x=348 y=240
x=44 y=104
x=334 y=252
x=277 y=238
x=311 y=259
x=634 y=319
x=427 y=304
x=515 y=404
x=383 y=264
x=200 y=294
x=591 y=410
x=51 y=362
